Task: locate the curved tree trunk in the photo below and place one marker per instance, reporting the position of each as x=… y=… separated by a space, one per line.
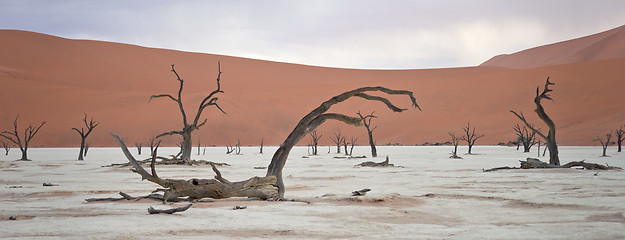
x=318 y=116
x=550 y=139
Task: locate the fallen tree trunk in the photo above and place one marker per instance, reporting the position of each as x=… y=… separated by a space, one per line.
x=532 y=163
x=217 y=188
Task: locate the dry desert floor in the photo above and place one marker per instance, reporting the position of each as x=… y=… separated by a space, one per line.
x=430 y=197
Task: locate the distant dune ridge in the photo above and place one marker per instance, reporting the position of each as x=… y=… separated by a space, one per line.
x=47 y=78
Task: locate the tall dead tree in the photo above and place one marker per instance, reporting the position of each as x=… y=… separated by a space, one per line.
x=314 y=138
x=84 y=133
x=366 y=120
x=318 y=116
x=337 y=139
x=6 y=147
x=454 y=141
x=550 y=138
x=469 y=136
x=620 y=135
x=188 y=128
x=22 y=142
x=525 y=137
x=605 y=144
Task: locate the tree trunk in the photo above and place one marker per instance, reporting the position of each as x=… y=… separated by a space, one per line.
x=82 y=150
x=187 y=146
x=24 y=154
x=374 y=151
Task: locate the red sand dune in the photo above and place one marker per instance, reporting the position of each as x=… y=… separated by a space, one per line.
x=46 y=78
x=601 y=46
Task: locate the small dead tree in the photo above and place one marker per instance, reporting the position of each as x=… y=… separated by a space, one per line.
x=188 y=128
x=198 y=146
x=6 y=147
x=455 y=141
x=525 y=137
x=315 y=141
x=550 y=138
x=366 y=120
x=229 y=149
x=470 y=136
x=153 y=144
x=238 y=146
x=353 y=143
x=605 y=144
x=22 y=142
x=337 y=139
x=84 y=133
x=262 y=141
x=345 y=144
x=620 y=135
x=139 y=147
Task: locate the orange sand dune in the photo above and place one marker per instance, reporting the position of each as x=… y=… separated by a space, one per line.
x=601 y=46
x=46 y=78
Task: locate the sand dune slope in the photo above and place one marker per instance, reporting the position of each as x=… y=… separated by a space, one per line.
x=601 y=46
x=46 y=78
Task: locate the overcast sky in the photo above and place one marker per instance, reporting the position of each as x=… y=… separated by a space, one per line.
x=382 y=34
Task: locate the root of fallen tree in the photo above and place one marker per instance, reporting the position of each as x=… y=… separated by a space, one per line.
x=193 y=189
x=531 y=163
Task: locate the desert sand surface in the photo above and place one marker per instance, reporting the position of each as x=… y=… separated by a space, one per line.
x=57 y=80
x=430 y=197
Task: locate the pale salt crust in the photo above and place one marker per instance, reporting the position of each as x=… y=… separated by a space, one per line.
x=432 y=197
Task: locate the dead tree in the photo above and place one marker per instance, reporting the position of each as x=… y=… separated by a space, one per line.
x=455 y=141
x=153 y=144
x=550 y=138
x=139 y=147
x=238 y=147
x=366 y=120
x=314 y=141
x=22 y=142
x=337 y=139
x=470 y=136
x=525 y=137
x=272 y=185
x=620 y=135
x=84 y=133
x=6 y=147
x=229 y=149
x=351 y=149
x=198 y=146
x=262 y=141
x=605 y=144
x=255 y=187
x=318 y=116
x=188 y=128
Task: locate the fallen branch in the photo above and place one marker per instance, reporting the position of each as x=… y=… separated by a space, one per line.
x=375 y=164
x=533 y=163
x=151 y=210
x=361 y=192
